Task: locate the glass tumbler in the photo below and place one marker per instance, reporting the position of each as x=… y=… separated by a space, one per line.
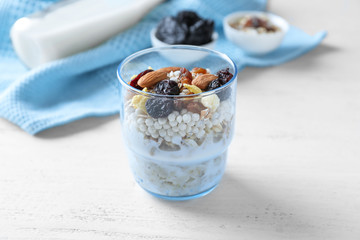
x=183 y=155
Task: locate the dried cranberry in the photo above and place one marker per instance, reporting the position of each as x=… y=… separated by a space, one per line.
x=167 y=87
x=133 y=82
x=224 y=76
x=159 y=107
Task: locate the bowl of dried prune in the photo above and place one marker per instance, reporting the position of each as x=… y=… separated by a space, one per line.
x=186 y=28
x=255 y=32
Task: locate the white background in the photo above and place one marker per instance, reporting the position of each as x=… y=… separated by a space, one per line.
x=293 y=168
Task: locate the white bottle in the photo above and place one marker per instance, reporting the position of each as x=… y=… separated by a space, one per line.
x=71 y=26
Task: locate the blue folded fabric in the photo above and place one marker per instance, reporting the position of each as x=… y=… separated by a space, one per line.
x=86 y=85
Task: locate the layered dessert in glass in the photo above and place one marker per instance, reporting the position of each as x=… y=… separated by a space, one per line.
x=178 y=118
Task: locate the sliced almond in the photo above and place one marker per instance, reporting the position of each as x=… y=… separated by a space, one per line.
x=202 y=81
x=168 y=69
x=151 y=78
x=192 y=88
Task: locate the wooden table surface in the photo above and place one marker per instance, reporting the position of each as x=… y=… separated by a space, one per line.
x=293 y=170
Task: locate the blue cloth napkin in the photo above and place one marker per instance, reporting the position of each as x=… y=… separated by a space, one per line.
x=86 y=85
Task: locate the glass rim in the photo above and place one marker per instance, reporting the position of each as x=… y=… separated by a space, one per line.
x=187 y=47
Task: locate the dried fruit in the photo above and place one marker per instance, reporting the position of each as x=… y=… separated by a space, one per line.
x=214 y=84
x=195 y=107
x=134 y=81
x=185 y=76
x=202 y=81
x=167 y=87
x=212 y=102
x=201 y=32
x=151 y=78
x=224 y=75
x=186 y=28
x=199 y=70
x=192 y=88
x=159 y=107
x=255 y=22
x=138 y=102
x=260 y=24
x=187 y=17
x=222 y=94
x=171 y=31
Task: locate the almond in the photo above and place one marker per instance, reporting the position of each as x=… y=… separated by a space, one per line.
x=168 y=69
x=202 y=81
x=151 y=78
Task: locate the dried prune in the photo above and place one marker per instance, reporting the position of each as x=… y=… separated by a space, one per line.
x=133 y=82
x=224 y=76
x=214 y=84
x=170 y=31
x=201 y=32
x=224 y=93
x=167 y=87
x=159 y=107
x=187 y=17
x=186 y=28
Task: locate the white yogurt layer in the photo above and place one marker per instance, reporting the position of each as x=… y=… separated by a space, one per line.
x=175 y=179
x=183 y=154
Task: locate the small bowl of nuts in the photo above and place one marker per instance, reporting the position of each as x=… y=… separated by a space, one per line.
x=255 y=32
x=186 y=28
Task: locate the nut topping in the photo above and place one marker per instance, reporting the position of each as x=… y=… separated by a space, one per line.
x=202 y=81
x=151 y=78
x=168 y=69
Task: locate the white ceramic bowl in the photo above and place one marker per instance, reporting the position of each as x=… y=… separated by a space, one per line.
x=251 y=41
x=157 y=43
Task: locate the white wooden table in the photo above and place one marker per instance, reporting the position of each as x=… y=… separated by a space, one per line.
x=293 y=170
